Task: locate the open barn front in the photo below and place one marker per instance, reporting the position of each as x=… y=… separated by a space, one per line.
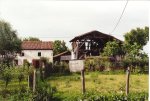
x=90 y=44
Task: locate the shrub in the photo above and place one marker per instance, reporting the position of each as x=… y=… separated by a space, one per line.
x=7 y=76
x=99 y=63
x=20 y=77
x=95 y=96
x=44 y=92
x=48 y=69
x=62 y=68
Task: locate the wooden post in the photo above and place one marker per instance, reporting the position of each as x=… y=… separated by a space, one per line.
x=83 y=81
x=28 y=82
x=34 y=79
x=127 y=80
x=77 y=50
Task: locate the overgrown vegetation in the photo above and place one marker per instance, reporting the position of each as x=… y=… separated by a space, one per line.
x=68 y=88
x=14 y=85
x=138 y=65
x=95 y=96
x=99 y=85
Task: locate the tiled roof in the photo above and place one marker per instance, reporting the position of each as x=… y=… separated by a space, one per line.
x=37 y=45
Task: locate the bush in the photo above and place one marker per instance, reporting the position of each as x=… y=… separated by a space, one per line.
x=7 y=76
x=44 y=92
x=95 y=96
x=98 y=63
x=48 y=69
x=61 y=68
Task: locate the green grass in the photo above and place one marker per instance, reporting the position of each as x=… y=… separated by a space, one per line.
x=99 y=83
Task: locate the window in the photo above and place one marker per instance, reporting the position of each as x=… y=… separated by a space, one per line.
x=22 y=54
x=39 y=53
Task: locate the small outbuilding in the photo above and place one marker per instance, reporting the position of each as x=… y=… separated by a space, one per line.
x=64 y=56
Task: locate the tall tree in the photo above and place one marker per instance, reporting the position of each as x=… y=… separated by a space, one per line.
x=138 y=36
x=10 y=44
x=133 y=46
x=134 y=41
x=31 y=39
x=59 y=46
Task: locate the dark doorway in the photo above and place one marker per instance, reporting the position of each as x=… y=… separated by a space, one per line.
x=36 y=63
x=15 y=62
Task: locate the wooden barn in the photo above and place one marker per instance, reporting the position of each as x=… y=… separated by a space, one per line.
x=90 y=44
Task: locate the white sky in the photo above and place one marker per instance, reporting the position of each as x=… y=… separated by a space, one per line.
x=51 y=20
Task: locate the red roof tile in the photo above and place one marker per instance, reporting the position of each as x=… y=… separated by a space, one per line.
x=37 y=45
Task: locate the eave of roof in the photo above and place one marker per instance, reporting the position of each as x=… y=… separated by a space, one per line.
x=60 y=54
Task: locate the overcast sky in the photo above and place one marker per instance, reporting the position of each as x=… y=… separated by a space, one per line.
x=50 y=20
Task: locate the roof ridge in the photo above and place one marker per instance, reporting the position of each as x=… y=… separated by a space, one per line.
x=92 y=32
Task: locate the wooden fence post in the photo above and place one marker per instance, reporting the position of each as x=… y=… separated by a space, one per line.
x=83 y=81
x=34 y=79
x=28 y=82
x=127 y=80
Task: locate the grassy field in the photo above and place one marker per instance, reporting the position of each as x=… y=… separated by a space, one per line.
x=99 y=83
x=69 y=86
x=94 y=81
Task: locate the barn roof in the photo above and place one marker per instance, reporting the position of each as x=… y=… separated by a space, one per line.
x=93 y=35
x=63 y=53
x=37 y=45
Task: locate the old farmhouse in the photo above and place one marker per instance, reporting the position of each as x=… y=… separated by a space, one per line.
x=32 y=51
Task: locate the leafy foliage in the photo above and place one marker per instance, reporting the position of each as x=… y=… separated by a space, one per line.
x=112 y=48
x=22 y=93
x=44 y=91
x=100 y=63
x=61 y=68
x=31 y=39
x=134 y=42
x=95 y=96
x=59 y=46
x=9 y=42
x=138 y=36
x=7 y=76
x=20 y=77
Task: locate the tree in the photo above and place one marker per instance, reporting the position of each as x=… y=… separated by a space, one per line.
x=143 y=62
x=10 y=44
x=31 y=39
x=138 y=36
x=112 y=48
x=133 y=45
x=132 y=50
x=59 y=46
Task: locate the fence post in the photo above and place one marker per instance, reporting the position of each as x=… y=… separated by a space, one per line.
x=83 y=81
x=127 y=80
x=34 y=79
